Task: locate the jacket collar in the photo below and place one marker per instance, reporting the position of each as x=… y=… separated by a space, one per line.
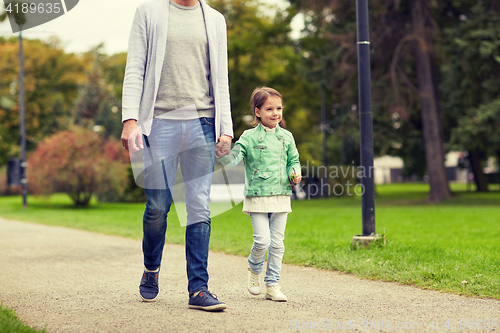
x=279 y=131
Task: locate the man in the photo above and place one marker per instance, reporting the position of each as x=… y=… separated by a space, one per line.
x=175 y=105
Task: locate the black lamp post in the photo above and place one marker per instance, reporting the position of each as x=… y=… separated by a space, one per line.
x=19 y=18
x=24 y=181
x=366 y=125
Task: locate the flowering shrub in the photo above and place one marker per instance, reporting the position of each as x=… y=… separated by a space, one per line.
x=80 y=163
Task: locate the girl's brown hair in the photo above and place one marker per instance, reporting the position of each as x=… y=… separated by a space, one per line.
x=259 y=97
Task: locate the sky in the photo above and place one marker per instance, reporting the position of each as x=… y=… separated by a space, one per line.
x=90 y=23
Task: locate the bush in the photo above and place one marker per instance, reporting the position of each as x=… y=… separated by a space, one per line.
x=116 y=172
x=133 y=193
x=80 y=163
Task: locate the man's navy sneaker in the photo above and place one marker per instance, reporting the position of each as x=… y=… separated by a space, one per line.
x=149 y=286
x=206 y=301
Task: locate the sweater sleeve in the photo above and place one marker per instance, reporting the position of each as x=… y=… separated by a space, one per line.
x=226 y=124
x=136 y=66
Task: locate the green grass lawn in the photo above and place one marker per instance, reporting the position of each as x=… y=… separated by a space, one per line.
x=452 y=246
x=10 y=323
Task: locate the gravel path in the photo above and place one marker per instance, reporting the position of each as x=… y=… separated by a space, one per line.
x=76 y=281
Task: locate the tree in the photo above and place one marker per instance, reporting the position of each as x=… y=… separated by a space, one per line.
x=261 y=52
x=51 y=79
x=471 y=80
x=79 y=163
x=477 y=132
x=113 y=70
x=402 y=41
x=422 y=27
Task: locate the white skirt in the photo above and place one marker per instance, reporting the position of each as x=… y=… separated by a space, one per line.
x=267 y=204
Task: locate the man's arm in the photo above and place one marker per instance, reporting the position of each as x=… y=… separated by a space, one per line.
x=133 y=83
x=226 y=123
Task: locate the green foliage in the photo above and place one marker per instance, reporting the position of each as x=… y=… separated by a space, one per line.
x=10 y=323
x=261 y=53
x=113 y=71
x=329 y=61
x=80 y=163
x=479 y=129
x=133 y=193
x=60 y=89
x=471 y=78
x=99 y=101
x=51 y=83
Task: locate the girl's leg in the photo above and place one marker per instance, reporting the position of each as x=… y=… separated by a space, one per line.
x=261 y=241
x=277 y=225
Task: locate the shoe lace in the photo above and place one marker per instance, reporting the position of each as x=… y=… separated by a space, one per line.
x=208 y=293
x=150 y=276
x=254 y=279
x=273 y=289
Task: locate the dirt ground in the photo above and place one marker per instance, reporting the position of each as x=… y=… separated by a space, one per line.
x=69 y=280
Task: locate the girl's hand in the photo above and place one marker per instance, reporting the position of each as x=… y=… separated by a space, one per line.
x=296 y=177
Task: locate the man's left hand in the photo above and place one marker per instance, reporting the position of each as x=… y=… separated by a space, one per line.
x=223 y=146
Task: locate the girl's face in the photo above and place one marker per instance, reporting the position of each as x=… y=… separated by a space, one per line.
x=271 y=112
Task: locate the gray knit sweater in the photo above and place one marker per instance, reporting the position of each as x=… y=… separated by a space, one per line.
x=184 y=91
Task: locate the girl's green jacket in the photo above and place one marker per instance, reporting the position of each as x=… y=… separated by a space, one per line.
x=270 y=159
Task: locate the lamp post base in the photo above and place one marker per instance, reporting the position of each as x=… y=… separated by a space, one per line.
x=367 y=241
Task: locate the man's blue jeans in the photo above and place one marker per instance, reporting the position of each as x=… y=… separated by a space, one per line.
x=190 y=144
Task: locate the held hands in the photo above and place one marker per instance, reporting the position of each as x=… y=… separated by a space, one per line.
x=222 y=149
x=223 y=146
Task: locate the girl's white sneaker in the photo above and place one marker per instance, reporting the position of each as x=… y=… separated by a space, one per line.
x=274 y=293
x=254 y=283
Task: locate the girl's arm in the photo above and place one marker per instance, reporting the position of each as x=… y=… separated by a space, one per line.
x=235 y=155
x=293 y=163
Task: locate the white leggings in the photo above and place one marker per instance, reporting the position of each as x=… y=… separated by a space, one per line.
x=268 y=233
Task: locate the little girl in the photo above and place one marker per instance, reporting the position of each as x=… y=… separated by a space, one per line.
x=271 y=165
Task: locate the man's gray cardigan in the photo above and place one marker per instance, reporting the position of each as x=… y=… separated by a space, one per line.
x=146 y=52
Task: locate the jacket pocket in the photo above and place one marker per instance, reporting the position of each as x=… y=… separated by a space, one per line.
x=265 y=174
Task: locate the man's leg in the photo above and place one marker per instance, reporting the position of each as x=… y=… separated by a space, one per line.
x=197 y=243
x=153 y=241
x=155 y=226
x=197 y=164
x=160 y=161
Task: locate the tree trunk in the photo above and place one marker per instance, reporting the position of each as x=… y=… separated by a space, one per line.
x=498 y=172
x=432 y=132
x=477 y=170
